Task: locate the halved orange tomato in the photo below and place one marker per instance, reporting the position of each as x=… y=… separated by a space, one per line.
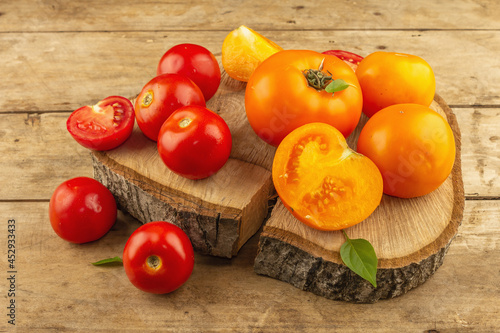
x=323 y=182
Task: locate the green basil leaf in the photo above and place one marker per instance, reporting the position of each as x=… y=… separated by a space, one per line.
x=336 y=85
x=114 y=260
x=360 y=257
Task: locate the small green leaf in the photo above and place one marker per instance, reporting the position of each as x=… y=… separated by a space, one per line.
x=360 y=257
x=108 y=261
x=336 y=85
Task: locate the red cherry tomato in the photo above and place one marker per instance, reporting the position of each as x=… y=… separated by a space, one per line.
x=82 y=210
x=194 y=142
x=158 y=257
x=160 y=97
x=103 y=126
x=352 y=59
x=195 y=62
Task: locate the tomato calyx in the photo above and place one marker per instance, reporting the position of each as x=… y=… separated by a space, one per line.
x=320 y=80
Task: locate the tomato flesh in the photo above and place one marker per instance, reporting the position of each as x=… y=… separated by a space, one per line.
x=102 y=126
x=322 y=181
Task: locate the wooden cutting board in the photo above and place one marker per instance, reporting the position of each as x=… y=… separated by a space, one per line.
x=410 y=238
x=219 y=214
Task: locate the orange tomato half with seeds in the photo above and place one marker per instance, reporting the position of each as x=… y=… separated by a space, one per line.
x=323 y=182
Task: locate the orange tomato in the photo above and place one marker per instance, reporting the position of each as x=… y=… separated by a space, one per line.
x=412 y=145
x=279 y=98
x=322 y=182
x=389 y=78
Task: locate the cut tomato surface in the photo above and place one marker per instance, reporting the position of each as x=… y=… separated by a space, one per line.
x=322 y=182
x=102 y=126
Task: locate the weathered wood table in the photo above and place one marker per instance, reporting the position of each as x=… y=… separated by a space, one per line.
x=59 y=55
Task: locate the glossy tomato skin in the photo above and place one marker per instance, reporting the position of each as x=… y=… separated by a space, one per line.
x=412 y=145
x=82 y=210
x=194 y=142
x=278 y=98
x=158 y=257
x=195 y=62
x=160 y=97
x=103 y=126
x=389 y=78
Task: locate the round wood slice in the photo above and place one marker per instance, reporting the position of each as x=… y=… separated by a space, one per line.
x=219 y=213
x=410 y=237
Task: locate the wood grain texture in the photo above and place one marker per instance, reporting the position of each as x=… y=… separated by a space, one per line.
x=77 y=69
x=60 y=290
x=410 y=237
x=39 y=154
x=226 y=15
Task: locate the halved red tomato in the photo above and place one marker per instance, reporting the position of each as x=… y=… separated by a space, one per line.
x=103 y=126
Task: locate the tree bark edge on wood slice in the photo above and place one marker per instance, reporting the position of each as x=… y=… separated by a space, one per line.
x=288 y=257
x=213 y=230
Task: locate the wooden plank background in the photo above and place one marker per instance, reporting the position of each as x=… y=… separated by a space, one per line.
x=59 y=55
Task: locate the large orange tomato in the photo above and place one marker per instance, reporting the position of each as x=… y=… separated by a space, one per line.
x=389 y=78
x=412 y=145
x=280 y=95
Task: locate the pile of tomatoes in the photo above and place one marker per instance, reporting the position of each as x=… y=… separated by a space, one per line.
x=324 y=183
x=192 y=141
x=303 y=102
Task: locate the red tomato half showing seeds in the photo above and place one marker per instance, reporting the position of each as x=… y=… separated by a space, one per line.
x=103 y=126
x=194 y=142
x=158 y=257
x=160 y=97
x=82 y=210
x=195 y=62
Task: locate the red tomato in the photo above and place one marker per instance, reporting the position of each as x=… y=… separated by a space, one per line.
x=195 y=62
x=194 y=142
x=160 y=97
x=350 y=58
x=413 y=147
x=82 y=210
x=389 y=78
x=158 y=257
x=280 y=98
x=103 y=126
